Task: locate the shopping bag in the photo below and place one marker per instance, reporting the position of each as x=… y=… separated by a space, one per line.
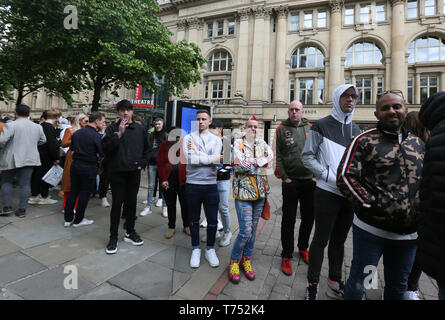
x=54 y=175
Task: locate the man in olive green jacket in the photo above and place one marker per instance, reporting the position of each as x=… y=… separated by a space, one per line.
x=297 y=185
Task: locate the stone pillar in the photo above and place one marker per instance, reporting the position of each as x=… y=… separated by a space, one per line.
x=181 y=25
x=242 y=55
x=398 y=65
x=335 y=75
x=442 y=81
x=195 y=31
x=374 y=89
x=266 y=75
x=256 y=84
x=417 y=88
x=280 y=56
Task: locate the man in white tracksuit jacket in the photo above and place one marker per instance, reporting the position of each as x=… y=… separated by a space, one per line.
x=323 y=150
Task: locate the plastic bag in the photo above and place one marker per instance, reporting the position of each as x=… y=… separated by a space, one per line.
x=54 y=175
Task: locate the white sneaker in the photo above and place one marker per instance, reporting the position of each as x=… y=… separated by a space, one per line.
x=217 y=236
x=34 y=200
x=225 y=239
x=145 y=212
x=212 y=258
x=159 y=203
x=165 y=212
x=67 y=224
x=412 y=295
x=84 y=222
x=104 y=202
x=195 y=258
x=220 y=225
x=46 y=201
x=203 y=223
x=145 y=202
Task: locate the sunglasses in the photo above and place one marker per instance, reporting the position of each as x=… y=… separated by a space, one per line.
x=397 y=92
x=347 y=95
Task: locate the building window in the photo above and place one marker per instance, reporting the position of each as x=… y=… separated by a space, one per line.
x=220 y=61
x=430 y=7
x=231 y=27
x=307 y=20
x=320 y=94
x=291 y=90
x=321 y=19
x=34 y=100
x=347 y=80
x=307 y=57
x=363 y=53
x=210 y=30
x=220 y=30
x=379 y=85
x=428 y=87
x=349 y=16
x=443 y=7
x=410 y=89
x=380 y=12
x=426 y=49
x=412 y=9
x=229 y=89
x=306 y=91
x=365 y=13
x=294 y=21
x=206 y=89
x=217 y=89
x=364 y=86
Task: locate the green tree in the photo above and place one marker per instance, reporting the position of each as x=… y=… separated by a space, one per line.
x=116 y=44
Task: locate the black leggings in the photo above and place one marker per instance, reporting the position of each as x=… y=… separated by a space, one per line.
x=333 y=219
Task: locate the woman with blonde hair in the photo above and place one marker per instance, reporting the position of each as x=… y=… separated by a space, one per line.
x=80 y=121
x=250 y=188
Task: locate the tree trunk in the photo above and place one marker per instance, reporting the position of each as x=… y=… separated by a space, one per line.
x=96 y=96
x=20 y=96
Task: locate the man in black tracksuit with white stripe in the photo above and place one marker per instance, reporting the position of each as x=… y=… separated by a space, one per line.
x=322 y=152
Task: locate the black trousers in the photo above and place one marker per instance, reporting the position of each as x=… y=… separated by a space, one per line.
x=124 y=190
x=298 y=191
x=104 y=182
x=38 y=186
x=170 y=199
x=333 y=219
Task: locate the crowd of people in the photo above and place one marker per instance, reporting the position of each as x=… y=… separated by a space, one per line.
x=386 y=183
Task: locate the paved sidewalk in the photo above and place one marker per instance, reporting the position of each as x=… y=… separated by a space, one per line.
x=35 y=252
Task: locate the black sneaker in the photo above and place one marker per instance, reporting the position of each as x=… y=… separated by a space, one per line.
x=336 y=289
x=21 y=213
x=311 y=291
x=134 y=238
x=7 y=211
x=111 y=247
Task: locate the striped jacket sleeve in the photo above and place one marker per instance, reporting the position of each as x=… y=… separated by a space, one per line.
x=349 y=174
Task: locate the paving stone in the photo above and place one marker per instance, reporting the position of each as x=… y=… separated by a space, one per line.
x=50 y=285
x=6 y=294
x=15 y=266
x=107 y=292
x=179 y=279
x=165 y=258
x=146 y=279
x=7 y=247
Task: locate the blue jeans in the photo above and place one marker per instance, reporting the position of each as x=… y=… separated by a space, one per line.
x=398 y=258
x=223 y=190
x=25 y=174
x=152 y=175
x=207 y=195
x=249 y=213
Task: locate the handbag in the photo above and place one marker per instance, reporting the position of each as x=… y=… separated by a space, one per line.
x=54 y=175
x=266 y=210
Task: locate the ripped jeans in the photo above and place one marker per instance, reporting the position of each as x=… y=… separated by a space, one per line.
x=249 y=213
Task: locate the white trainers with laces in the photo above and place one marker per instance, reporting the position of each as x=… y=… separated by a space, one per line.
x=145 y=202
x=220 y=225
x=34 y=200
x=104 y=202
x=145 y=212
x=412 y=295
x=225 y=239
x=164 y=212
x=212 y=258
x=159 y=203
x=47 y=200
x=84 y=222
x=203 y=223
x=195 y=258
x=67 y=224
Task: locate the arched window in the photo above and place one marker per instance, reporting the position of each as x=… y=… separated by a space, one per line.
x=307 y=57
x=426 y=49
x=363 y=53
x=220 y=61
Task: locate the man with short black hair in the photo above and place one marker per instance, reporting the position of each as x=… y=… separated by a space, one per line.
x=126 y=146
x=19 y=155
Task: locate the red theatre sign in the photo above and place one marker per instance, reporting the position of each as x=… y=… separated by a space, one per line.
x=137 y=101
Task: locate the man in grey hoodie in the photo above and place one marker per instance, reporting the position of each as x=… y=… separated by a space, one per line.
x=322 y=152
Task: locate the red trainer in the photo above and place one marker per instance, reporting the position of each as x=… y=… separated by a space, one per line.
x=247 y=268
x=286 y=266
x=304 y=254
x=234 y=274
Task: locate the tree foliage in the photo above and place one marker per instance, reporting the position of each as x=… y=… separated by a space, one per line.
x=116 y=44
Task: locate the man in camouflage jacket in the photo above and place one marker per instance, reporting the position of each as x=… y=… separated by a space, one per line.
x=379 y=174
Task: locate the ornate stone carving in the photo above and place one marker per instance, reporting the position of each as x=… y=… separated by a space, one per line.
x=282 y=11
x=243 y=14
x=185 y=96
x=336 y=5
x=259 y=12
x=181 y=24
x=195 y=23
x=239 y=94
x=396 y=2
